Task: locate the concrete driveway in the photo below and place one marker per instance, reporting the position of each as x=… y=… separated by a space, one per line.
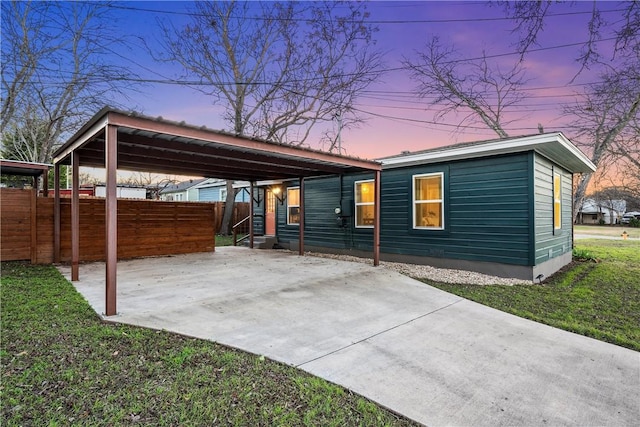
x=432 y=356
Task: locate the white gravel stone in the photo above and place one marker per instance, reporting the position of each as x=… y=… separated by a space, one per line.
x=444 y=275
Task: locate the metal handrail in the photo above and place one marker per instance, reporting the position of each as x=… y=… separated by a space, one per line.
x=235 y=231
x=241 y=222
x=235 y=242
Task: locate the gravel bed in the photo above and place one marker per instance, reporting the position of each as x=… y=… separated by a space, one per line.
x=444 y=275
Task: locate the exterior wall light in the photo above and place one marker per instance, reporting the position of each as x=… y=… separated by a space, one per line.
x=278 y=193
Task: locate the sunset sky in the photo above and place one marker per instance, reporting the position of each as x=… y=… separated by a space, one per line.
x=397 y=119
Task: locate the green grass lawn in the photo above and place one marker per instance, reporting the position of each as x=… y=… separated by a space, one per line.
x=226 y=240
x=607 y=230
x=596 y=299
x=62 y=366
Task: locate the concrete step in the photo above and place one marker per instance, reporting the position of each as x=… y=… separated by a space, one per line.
x=262 y=242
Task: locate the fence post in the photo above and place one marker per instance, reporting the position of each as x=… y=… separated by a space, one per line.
x=34 y=226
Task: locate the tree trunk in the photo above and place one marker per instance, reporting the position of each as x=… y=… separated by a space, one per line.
x=581 y=191
x=227 y=217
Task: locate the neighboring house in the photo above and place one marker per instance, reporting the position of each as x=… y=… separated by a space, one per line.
x=87 y=190
x=123 y=192
x=215 y=190
x=182 y=192
x=601 y=212
x=100 y=190
x=501 y=207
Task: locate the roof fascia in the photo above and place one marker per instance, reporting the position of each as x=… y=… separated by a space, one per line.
x=24 y=168
x=79 y=139
x=575 y=151
x=210 y=182
x=535 y=142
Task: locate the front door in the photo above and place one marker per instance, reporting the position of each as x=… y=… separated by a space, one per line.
x=270 y=214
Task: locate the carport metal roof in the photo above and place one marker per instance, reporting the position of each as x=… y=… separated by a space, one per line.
x=19 y=168
x=116 y=139
x=15 y=167
x=163 y=146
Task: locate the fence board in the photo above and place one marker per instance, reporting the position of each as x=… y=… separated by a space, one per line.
x=15 y=225
x=145 y=227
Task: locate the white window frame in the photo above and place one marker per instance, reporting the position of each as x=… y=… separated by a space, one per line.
x=178 y=197
x=223 y=194
x=293 y=206
x=414 y=202
x=557 y=197
x=356 y=203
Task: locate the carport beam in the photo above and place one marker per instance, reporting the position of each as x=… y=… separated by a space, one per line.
x=111 y=219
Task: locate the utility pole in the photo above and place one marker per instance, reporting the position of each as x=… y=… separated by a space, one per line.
x=338 y=116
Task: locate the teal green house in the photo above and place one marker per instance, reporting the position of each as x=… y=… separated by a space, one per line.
x=500 y=207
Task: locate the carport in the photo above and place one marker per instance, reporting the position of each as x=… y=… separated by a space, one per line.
x=115 y=139
x=35 y=170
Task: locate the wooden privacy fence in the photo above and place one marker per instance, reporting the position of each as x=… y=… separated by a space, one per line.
x=145 y=227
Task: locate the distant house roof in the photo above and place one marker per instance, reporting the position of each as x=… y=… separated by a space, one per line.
x=595 y=206
x=554 y=146
x=182 y=186
x=214 y=182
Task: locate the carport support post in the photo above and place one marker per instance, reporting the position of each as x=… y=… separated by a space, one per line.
x=45 y=184
x=376 y=220
x=251 y=187
x=111 y=219
x=75 y=216
x=301 y=244
x=56 y=213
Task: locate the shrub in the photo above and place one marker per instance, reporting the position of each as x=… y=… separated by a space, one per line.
x=634 y=222
x=583 y=255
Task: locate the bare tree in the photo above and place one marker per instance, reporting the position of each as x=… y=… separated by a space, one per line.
x=484 y=93
x=279 y=68
x=529 y=18
x=24 y=143
x=154 y=183
x=609 y=108
x=604 y=121
x=55 y=71
x=626 y=173
x=606 y=112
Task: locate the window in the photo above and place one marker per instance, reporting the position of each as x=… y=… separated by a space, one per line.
x=557 y=202
x=364 y=200
x=178 y=197
x=428 y=201
x=293 y=206
x=223 y=194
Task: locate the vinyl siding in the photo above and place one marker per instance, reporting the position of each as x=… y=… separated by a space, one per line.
x=322 y=196
x=192 y=195
x=258 y=210
x=209 y=194
x=212 y=194
x=487 y=212
x=547 y=239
